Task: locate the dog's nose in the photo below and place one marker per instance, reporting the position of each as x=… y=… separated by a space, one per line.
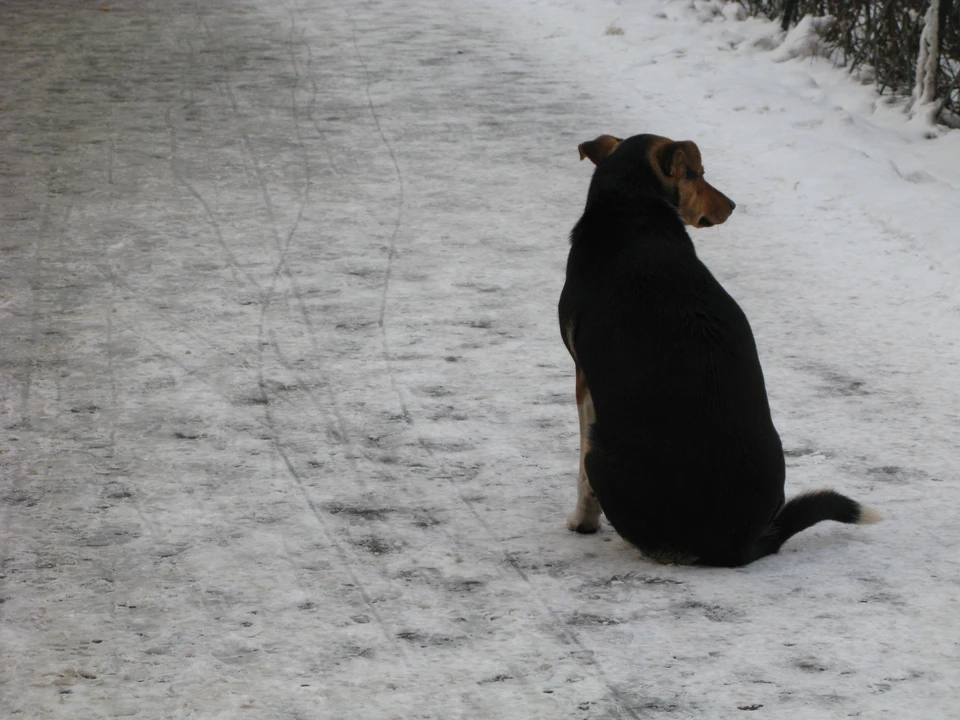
x=733 y=205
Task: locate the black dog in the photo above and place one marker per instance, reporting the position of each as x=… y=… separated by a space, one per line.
x=676 y=438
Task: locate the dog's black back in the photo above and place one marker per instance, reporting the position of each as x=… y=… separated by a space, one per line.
x=684 y=457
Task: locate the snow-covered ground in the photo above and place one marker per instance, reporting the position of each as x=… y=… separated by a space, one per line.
x=288 y=427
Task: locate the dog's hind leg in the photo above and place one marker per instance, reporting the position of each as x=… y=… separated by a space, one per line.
x=585 y=518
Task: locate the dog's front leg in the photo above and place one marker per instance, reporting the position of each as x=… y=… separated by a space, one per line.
x=586 y=516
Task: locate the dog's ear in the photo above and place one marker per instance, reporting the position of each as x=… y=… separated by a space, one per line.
x=598 y=149
x=677 y=157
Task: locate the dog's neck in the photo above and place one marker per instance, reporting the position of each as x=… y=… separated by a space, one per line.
x=639 y=193
x=633 y=204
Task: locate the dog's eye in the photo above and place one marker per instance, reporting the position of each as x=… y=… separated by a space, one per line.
x=691 y=175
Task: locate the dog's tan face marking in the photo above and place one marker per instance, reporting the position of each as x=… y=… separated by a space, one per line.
x=679 y=164
x=598 y=149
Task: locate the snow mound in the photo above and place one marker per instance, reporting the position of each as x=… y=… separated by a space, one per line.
x=734 y=12
x=806 y=39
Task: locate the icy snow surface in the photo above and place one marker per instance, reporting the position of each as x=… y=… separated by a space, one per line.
x=288 y=427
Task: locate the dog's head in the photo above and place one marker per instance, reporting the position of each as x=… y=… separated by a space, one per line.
x=674 y=167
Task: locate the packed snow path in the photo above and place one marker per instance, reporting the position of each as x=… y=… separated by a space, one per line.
x=288 y=428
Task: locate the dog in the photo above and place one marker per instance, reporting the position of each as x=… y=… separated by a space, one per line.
x=677 y=446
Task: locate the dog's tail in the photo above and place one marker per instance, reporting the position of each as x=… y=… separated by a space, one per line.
x=808 y=509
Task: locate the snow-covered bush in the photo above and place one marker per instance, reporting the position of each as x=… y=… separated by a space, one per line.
x=909 y=48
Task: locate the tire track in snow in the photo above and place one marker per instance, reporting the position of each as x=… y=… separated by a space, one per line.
x=211 y=604
x=348 y=559
x=454 y=541
x=281 y=268
x=235 y=267
x=339 y=421
x=407 y=417
x=384 y=340
x=566 y=635
x=115 y=280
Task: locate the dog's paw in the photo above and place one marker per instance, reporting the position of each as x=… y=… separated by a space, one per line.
x=576 y=522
